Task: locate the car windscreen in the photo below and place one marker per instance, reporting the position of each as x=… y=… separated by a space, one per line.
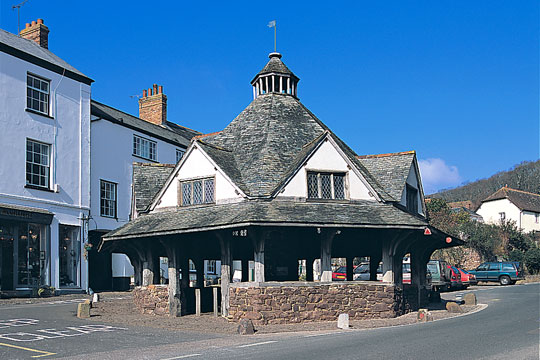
x=341 y=269
x=364 y=268
x=433 y=268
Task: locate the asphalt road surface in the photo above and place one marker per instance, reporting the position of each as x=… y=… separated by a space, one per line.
x=508 y=328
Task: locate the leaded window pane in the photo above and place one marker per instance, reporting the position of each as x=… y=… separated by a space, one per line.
x=326 y=186
x=313 y=187
x=186 y=193
x=197 y=192
x=339 y=186
x=209 y=191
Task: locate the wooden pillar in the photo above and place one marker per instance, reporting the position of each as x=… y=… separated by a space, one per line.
x=350 y=267
x=258 y=248
x=326 y=255
x=388 y=261
x=226 y=263
x=199 y=268
x=156 y=269
x=148 y=268
x=175 y=290
x=309 y=269
x=374 y=261
x=245 y=270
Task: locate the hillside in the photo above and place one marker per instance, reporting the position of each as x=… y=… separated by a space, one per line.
x=524 y=176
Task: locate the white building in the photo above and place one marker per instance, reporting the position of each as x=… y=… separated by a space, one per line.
x=44 y=166
x=118 y=140
x=511 y=204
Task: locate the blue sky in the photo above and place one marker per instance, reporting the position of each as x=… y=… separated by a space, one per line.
x=457 y=81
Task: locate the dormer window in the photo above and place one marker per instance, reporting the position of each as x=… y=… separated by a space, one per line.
x=197 y=192
x=412 y=199
x=326 y=185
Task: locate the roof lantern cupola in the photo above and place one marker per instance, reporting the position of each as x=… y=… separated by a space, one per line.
x=275 y=77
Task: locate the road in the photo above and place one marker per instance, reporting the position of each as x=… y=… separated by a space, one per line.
x=507 y=329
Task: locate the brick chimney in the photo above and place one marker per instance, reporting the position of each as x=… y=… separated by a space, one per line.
x=38 y=32
x=153 y=105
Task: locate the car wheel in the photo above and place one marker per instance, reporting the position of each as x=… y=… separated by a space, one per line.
x=505 y=280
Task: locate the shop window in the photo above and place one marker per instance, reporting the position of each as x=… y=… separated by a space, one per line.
x=69 y=251
x=37 y=164
x=322 y=185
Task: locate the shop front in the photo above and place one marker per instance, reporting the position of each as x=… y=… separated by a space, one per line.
x=25 y=252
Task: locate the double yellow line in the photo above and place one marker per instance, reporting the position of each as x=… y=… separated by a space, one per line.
x=43 y=353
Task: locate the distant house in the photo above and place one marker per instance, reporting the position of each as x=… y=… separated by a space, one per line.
x=511 y=204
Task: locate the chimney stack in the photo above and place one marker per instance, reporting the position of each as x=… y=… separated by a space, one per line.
x=38 y=32
x=153 y=105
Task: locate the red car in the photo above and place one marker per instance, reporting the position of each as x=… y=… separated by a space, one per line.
x=467 y=278
x=340 y=274
x=455 y=278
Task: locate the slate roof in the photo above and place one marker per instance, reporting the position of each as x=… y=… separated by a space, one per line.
x=170 y=132
x=523 y=200
x=148 y=179
x=267 y=142
x=18 y=46
x=198 y=218
x=391 y=170
x=274 y=65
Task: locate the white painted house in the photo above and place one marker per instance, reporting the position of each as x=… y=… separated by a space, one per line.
x=118 y=140
x=511 y=204
x=44 y=166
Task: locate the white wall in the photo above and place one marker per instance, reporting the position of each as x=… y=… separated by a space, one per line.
x=528 y=221
x=326 y=158
x=196 y=165
x=112 y=160
x=68 y=133
x=491 y=210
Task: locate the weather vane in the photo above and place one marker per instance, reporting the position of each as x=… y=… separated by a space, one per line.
x=18 y=7
x=272 y=24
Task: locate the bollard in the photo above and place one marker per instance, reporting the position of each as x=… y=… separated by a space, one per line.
x=198 y=302
x=215 y=295
x=343 y=321
x=83 y=310
x=95 y=298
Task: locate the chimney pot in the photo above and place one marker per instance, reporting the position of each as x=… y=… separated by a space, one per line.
x=149 y=91
x=155 y=89
x=33 y=22
x=27 y=25
x=160 y=89
x=37 y=32
x=40 y=21
x=144 y=93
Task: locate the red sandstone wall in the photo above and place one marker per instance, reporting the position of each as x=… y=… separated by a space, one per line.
x=152 y=299
x=303 y=303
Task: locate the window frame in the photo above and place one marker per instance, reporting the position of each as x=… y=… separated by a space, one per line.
x=115 y=201
x=47 y=176
x=140 y=146
x=502 y=216
x=180 y=151
x=332 y=173
x=47 y=102
x=203 y=179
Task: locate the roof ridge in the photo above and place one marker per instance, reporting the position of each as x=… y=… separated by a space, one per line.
x=206 y=135
x=138 y=118
x=516 y=190
x=410 y=152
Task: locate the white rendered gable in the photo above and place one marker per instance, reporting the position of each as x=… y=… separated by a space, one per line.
x=196 y=164
x=327 y=159
x=491 y=211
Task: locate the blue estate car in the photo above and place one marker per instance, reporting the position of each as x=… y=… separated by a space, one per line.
x=505 y=272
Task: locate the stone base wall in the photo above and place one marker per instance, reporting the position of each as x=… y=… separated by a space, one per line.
x=294 y=302
x=152 y=299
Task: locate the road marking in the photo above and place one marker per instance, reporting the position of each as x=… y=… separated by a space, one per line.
x=257 y=344
x=17 y=322
x=182 y=357
x=43 y=353
x=53 y=333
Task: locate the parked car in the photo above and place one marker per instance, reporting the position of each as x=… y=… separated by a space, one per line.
x=455 y=278
x=439 y=273
x=504 y=272
x=407 y=273
x=361 y=272
x=467 y=278
x=340 y=274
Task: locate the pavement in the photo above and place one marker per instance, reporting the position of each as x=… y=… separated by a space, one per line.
x=507 y=328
